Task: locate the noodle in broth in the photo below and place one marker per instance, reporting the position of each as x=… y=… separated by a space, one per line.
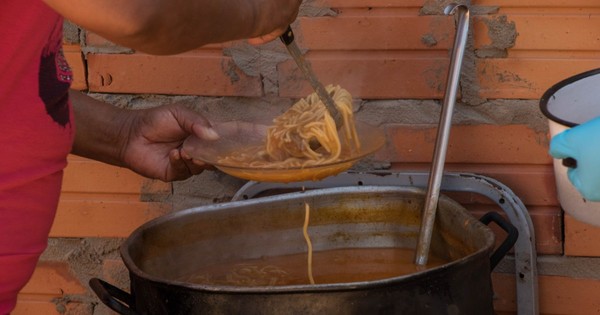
x=311 y=278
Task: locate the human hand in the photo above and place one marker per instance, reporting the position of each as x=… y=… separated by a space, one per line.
x=581 y=143
x=273 y=18
x=155 y=137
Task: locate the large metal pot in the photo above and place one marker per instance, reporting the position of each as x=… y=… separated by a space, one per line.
x=162 y=250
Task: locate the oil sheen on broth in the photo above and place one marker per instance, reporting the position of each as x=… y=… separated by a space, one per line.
x=331 y=266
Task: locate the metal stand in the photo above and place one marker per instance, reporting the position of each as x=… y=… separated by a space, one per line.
x=524 y=249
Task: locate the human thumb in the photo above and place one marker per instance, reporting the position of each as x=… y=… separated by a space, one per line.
x=194 y=123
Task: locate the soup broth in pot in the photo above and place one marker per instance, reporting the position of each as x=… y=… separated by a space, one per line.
x=330 y=266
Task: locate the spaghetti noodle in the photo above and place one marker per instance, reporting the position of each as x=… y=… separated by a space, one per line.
x=290 y=142
x=311 y=279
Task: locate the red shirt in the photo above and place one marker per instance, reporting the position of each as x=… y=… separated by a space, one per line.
x=35 y=120
x=36 y=134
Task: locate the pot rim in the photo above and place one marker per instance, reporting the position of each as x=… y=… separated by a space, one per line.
x=326 y=287
x=553 y=89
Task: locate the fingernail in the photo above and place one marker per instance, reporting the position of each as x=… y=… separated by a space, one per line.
x=211 y=134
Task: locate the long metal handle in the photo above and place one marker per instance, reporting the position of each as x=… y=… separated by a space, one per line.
x=441 y=146
x=288 y=39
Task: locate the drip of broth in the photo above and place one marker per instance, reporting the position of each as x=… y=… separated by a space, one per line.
x=331 y=266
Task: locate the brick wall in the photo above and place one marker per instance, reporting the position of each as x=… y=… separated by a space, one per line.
x=393 y=55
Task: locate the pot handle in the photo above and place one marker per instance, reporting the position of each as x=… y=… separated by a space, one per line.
x=509 y=242
x=113 y=297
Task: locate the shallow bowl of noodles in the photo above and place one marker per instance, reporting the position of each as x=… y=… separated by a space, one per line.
x=245 y=140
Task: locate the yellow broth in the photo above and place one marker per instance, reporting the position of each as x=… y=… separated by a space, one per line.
x=331 y=266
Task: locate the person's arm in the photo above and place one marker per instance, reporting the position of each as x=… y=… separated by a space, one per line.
x=147 y=141
x=174 y=26
x=100 y=129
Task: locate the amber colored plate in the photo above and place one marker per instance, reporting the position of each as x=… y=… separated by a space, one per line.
x=236 y=135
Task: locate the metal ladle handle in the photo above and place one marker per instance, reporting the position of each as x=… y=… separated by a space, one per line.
x=441 y=146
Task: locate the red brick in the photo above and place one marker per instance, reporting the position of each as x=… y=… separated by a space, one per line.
x=390 y=75
x=388 y=51
x=527 y=77
x=576 y=32
x=581 y=239
x=101 y=200
x=379 y=32
x=533 y=184
x=370 y=3
x=76 y=62
x=492 y=3
x=494 y=144
x=538 y=3
x=194 y=73
x=103 y=217
x=557 y=295
x=513 y=154
x=28 y=305
x=547 y=225
x=89 y=176
x=97 y=41
x=53 y=279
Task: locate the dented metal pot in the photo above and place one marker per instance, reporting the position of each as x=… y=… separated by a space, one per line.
x=158 y=253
